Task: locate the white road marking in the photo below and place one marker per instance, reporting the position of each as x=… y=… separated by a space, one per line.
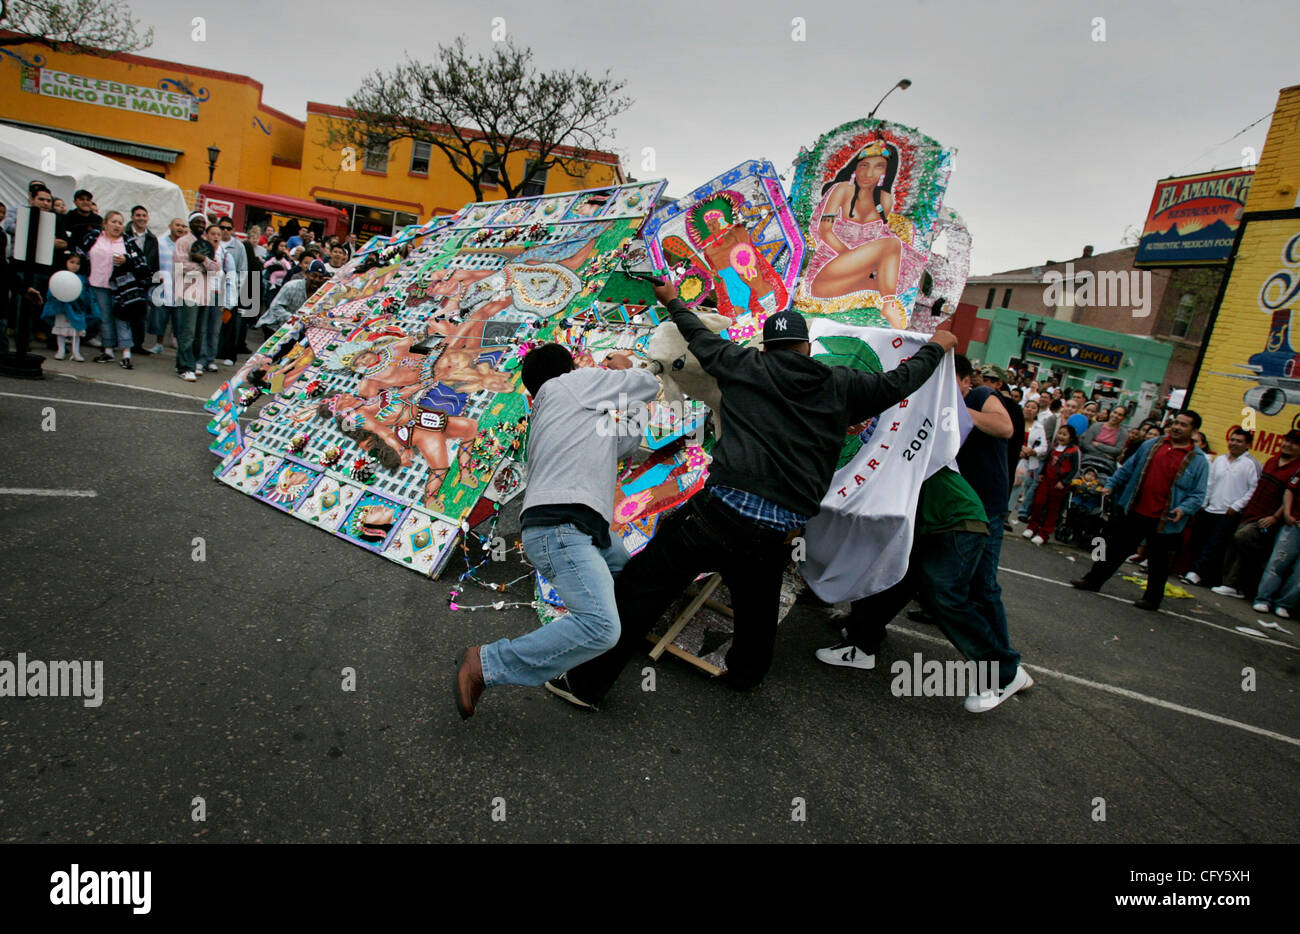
x=107 y=405
x=1192 y=619
x=161 y=392
x=1125 y=692
x=15 y=491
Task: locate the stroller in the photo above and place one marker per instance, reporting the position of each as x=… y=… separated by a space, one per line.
x=1086 y=510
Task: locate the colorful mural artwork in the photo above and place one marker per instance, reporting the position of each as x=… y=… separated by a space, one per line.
x=869 y=195
x=386 y=408
x=733 y=239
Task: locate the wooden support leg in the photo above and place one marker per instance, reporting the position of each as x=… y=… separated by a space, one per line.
x=706 y=590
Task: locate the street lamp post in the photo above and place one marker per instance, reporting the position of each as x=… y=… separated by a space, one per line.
x=903 y=84
x=213 y=152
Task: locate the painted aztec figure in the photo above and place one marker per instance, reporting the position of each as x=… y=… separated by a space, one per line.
x=733 y=240
x=868 y=194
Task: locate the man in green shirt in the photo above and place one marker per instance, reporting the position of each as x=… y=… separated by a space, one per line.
x=951 y=527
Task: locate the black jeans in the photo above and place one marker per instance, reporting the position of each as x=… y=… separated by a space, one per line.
x=1212 y=535
x=704 y=535
x=943 y=574
x=1124 y=533
x=233 y=333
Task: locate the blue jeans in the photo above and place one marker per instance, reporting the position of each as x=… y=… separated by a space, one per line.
x=948 y=566
x=159 y=316
x=583 y=575
x=208 y=329
x=1027 y=494
x=186 y=318
x=103 y=301
x=985 y=591
x=1281 y=578
x=941 y=576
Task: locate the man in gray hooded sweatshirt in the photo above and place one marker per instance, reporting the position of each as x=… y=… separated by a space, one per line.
x=576 y=436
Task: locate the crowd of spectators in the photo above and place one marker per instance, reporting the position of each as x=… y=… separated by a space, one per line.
x=1243 y=542
x=195 y=290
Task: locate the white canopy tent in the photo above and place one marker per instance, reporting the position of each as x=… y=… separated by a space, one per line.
x=64 y=168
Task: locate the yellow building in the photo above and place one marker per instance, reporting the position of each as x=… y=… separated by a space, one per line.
x=164 y=116
x=1249 y=372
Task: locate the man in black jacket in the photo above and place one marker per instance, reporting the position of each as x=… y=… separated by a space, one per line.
x=144 y=238
x=786 y=416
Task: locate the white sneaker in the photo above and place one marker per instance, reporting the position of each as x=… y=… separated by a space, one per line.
x=1013 y=522
x=1260 y=606
x=156 y=348
x=987 y=700
x=59 y=355
x=224 y=363
x=1282 y=613
x=187 y=376
x=94 y=342
x=212 y=368
x=1028 y=533
x=1224 y=590
x=198 y=371
x=79 y=358
x=847 y=655
x=1191 y=577
x=1037 y=539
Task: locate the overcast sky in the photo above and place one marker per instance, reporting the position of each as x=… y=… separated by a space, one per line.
x=1060 y=138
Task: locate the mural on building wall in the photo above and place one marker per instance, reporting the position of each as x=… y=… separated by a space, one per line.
x=1250 y=374
x=869 y=195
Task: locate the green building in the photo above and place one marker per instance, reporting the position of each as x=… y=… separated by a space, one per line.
x=1126 y=367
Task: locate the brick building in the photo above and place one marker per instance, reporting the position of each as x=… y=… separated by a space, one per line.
x=1104 y=291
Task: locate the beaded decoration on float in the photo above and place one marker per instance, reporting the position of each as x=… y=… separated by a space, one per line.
x=868 y=194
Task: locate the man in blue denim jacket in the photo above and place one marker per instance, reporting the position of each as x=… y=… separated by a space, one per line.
x=1157 y=491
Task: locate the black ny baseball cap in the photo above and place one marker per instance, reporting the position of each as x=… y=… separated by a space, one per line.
x=785 y=326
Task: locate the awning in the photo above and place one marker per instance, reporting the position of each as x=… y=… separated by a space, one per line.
x=103 y=143
x=281 y=204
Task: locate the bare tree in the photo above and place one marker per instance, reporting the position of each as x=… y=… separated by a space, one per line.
x=479 y=111
x=98 y=27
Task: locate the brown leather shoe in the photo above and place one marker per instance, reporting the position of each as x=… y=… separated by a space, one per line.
x=468 y=686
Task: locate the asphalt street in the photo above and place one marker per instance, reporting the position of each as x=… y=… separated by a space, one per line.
x=224 y=681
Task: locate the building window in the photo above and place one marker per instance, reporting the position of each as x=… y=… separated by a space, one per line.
x=1183 y=315
x=420 y=157
x=377 y=156
x=490 y=176
x=1006 y=299
x=988 y=303
x=535 y=184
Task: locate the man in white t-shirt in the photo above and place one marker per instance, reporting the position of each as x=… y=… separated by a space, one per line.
x=1233 y=478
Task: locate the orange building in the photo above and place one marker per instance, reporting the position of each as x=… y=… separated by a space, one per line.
x=164 y=117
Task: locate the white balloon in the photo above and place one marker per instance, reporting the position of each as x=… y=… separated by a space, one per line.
x=65 y=285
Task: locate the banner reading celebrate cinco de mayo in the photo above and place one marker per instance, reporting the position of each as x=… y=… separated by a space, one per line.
x=130 y=97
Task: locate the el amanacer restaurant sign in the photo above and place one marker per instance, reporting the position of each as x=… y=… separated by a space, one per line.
x=116 y=94
x=1193 y=219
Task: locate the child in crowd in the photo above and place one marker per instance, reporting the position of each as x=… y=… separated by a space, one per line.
x=1087 y=482
x=1060 y=468
x=68 y=319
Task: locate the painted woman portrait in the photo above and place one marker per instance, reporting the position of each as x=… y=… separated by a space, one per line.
x=857 y=250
